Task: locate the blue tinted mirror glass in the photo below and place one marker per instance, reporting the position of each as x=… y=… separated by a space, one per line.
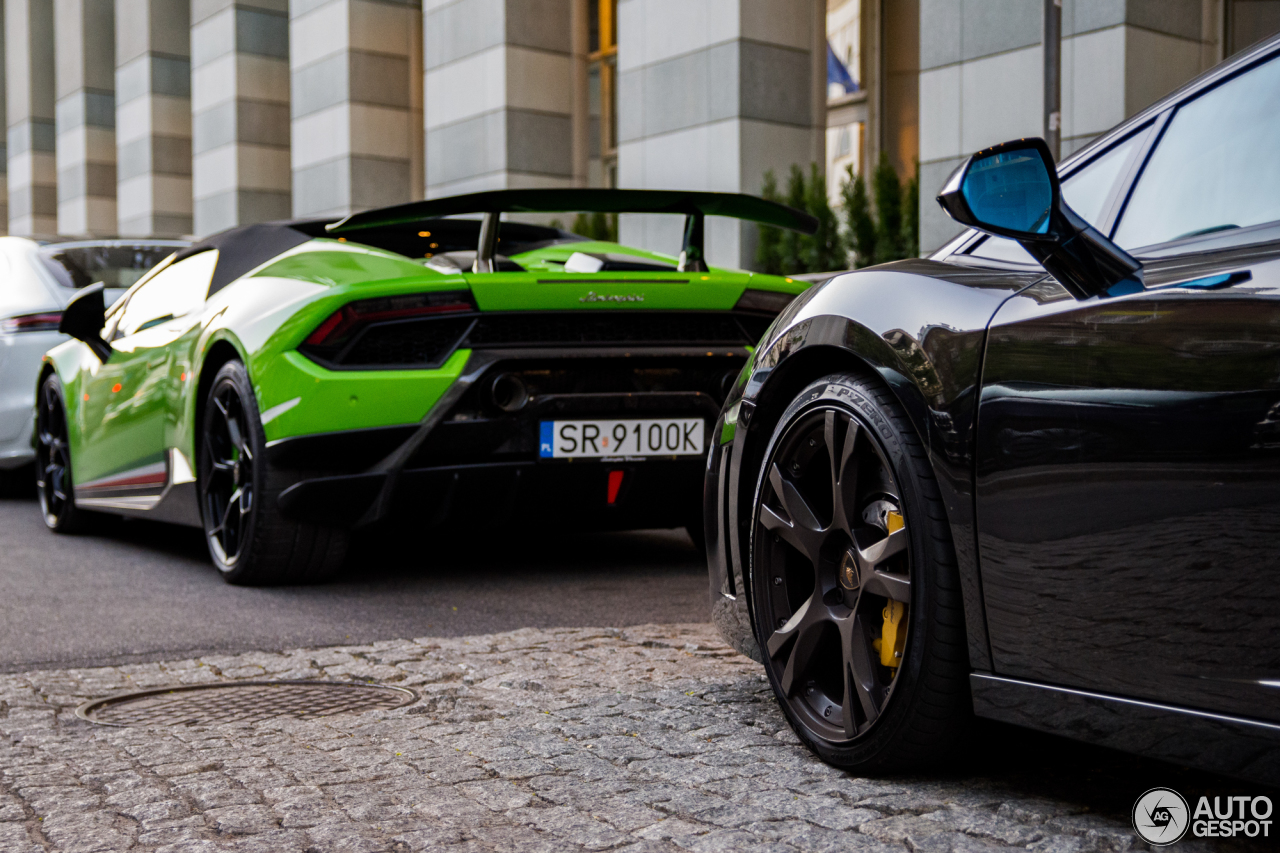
x=1011 y=190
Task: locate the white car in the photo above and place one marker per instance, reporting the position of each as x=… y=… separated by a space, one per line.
x=36 y=282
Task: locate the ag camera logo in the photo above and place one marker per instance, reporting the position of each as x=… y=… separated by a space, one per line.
x=1161 y=816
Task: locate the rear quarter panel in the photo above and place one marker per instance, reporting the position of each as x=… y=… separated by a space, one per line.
x=268 y=313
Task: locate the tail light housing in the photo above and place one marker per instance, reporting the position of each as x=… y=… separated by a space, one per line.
x=764 y=301
x=45 y=321
x=412 y=330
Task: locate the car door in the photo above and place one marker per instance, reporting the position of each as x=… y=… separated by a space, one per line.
x=1128 y=450
x=130 y=400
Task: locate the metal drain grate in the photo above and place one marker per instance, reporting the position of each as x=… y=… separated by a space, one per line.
x=241 y=702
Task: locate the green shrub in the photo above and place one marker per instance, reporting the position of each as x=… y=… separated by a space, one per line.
x=888 y=205
x=826 y=248
x=781 y=251
x=769 y=246
x=867 y=229
x=597 y=226
x=861 y=224
x=794 y=245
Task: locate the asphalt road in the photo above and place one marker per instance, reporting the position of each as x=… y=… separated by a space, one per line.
x=141 y=591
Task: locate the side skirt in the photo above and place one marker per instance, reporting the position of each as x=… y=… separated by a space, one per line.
x=165 y=491
x=1217 y=742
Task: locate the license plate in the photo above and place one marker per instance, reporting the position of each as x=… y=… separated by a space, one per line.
x=601 y=439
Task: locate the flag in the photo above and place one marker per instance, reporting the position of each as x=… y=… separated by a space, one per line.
x=837 y=73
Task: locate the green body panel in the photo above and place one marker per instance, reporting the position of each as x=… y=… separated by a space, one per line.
x=620 y=291
x=552 y=258
x=266 y=314
x=320 y=400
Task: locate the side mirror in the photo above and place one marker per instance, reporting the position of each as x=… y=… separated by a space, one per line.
x=1011 y=190
x=83 y=318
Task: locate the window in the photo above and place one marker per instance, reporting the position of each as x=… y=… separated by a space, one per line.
x=116 y=266
x=1086 y=192
x=1216 y=167
x=175 y=291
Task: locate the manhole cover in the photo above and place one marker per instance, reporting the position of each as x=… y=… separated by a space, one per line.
x=241 y=702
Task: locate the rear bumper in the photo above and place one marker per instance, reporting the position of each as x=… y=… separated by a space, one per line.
x=653 y=493
x=18 y=451
x=468 y=461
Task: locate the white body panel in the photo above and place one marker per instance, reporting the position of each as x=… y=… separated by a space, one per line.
x=20 y=356
x=28 y=287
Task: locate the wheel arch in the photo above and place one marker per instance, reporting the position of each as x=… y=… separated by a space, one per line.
x=821 y=345
x=46 y=369
x=785 y=380
x=220 y=351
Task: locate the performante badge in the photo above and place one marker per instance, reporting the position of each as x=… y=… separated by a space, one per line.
x=592 y=296
x=848 y=572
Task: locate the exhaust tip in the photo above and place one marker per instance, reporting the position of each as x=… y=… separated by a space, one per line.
x=508 y=392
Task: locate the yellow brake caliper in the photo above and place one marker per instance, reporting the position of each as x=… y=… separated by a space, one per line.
x=893 y=634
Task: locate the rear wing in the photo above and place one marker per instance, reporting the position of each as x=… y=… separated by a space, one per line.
x=694 y=206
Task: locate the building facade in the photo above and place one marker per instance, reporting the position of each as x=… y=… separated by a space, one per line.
x=184 y=117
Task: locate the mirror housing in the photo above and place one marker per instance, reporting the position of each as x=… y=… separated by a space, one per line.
x=1012 y=190
x=83 y=319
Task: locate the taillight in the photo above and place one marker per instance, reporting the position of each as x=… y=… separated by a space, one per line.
x=767 y=301
x=354 y=315
x=46 y=321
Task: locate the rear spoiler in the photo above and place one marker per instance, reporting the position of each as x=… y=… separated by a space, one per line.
x=695 y=206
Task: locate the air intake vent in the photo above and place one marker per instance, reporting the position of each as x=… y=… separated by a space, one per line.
x=406 y=344
x=425 y=342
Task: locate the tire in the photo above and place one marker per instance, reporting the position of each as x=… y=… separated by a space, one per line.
x=250 y=542
x=54 y=486
x=852 y=569
x=697 y=533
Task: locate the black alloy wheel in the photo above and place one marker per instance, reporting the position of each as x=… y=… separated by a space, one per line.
x=227 y=482
x=848 y=607
x=53 y=460
x=249 y=540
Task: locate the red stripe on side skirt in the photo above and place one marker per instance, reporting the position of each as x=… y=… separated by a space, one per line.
x=143 y=480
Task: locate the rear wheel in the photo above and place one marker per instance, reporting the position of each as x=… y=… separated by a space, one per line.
x=53 y=460
x=249 y=540
x=853 y=582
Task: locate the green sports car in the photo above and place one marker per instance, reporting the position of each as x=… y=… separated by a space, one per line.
x=282 y=384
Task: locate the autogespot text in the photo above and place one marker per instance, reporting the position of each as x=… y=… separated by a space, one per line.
x=1232 y=816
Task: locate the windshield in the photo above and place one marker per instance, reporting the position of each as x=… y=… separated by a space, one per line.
x=117 y=265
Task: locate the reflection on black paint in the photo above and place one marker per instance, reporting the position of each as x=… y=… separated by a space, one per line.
x=1128 y=482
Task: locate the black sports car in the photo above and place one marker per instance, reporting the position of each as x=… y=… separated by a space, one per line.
x=1035 y=477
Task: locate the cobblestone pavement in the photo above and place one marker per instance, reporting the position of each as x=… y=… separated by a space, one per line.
x=655 y=738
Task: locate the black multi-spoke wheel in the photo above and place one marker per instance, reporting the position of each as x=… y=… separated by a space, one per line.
x=53 y=460
x=227 y=489
x=853 y=581
x=249 y=541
